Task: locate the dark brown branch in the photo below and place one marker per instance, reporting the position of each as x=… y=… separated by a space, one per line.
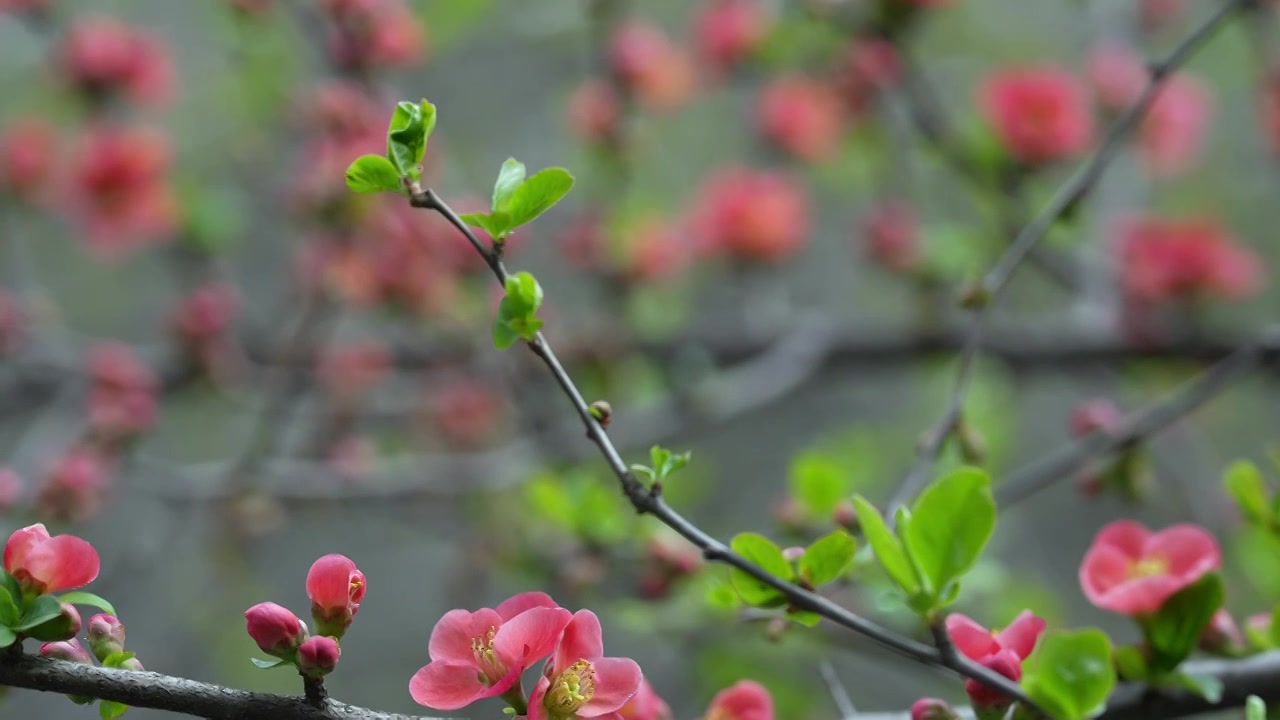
x=174 y=694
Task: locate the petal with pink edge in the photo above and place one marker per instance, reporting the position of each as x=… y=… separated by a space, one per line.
x=537 y=710
x=1190 y=550
x=616 y=680
x=1140 y=596
x=582 y=640
x=744 y=700
x=451 y=638
x=446 y=685
x=20 y=543
x=1103 y=568
x=63 y=562
x=1021 y=634
x=530 y=636
x=329 y=581
x=970 y=638
x=524 y=601
x=1127 y=536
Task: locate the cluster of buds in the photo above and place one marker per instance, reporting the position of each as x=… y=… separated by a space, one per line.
x=106 y=645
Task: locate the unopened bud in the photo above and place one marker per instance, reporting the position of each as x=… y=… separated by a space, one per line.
x=602 y=411
x=1222 y=636
x=106 y=635
x=776 y=628
x=845 y=515
x=932 y=709
x=791 y=516
x=975 y=295
x=277 y=631
x=793 y=554
x=1094 y=415
x=973 y=446
x=69 y=650
x=318 y=656
x=63 y=627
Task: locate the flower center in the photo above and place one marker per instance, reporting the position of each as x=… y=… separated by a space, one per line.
x=571 y=690
x=1146 y=567
x=491 y=667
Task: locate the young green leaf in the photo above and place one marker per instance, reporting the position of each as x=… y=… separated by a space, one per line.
x=538 y=194
x=10 y=613
x=951 y=522
x=804 y=617
x=1070 y=673
x=666 y=462
x=407 y=138
x=7 y=637
x=42 y=610
x=827 y=558
x=498 y=225
x=722 y=595
x=373 y=173
x=80 y=597
x=510 y=177
x=1255 y=708
x=888 y=550
x=818 y=483
x=268 y=664
x=110 y=710
x=1131 y=664
x=1207 y=687
x=524 y=292
x=1245 y=483
x=428 y=123
x=760 y=551
x=1175 y=629
x=118 y=658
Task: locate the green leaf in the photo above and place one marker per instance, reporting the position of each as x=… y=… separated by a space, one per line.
x=761 y=551
x=110 y=710
x=951 y=522
x=1255 y=708
x=1131 y=664
x=886 y=546
x=510 y=177
x=42 y=610
x=407 y=138
x=503 y=336
x=1204 y=686
x=498 y=225
x=10 y=613
x=1175 y=629
x=538 y=194
x=373 y=173
x=524 y=292
x=1273 y=630
x=1245 y=484
x=804 y=617
x=722 y=595
x=80 y=597
x=7 y=637
x=666 y=462
x=268 y=664
x=828 y=558
x=1070 y=674
x=818 y=483
x=428 y=122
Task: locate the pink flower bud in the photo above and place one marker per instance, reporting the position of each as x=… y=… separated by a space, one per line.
x=1005 y=662
x=277 y=631
x=318 y=656
x=68 y=650
x=845 y=515
x=132 y=664
x=27 y=159
x=893 y=236
x=336 y=588
x=802 y=116
x=73 y=488
x=793 y=554
x=1095 y=415
x=595 y=113
x=757 y=215
x=63 y=627
x=1222 y=636
x=106 y=635
x=728 y=31
x=1039 y=113
x=744 y=700
x=932 y=709
x=45 y=564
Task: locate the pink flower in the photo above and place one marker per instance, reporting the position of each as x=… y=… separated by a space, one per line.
x=371 y=34
x=49 y=564
x=753 y=214
x=27 y=158
x=73 y=487
x=645 y=705
x=1222 y=635
x=594 y=112
x=579 y=682
x=932 y=709
x=122 y=400
x=728 y=31
x=204 y=316
x=120 y=190
x=336 y=588
x=801 y=116
x=892 y=234
x=1132 y=571
x=1039 y=113
x=482 y=654
x=1163 y=259
x=318 y=656
x=869 y=65
x=69 y=650
x=648 y=65
x=1172 y=132
x=1116 y=75
x=277 y=631
x=102 y=56
x=1002 y=652
x=1098 y=414
x=744 y=700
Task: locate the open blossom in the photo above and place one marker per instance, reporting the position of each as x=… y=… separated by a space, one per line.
x=1039 y=113
x=1172 y=133
x=476 y=655
x=122 y=398
x=49 y=564
x=645 y=705
x=26 y=158
x=370 y=34
x=73 y=487
x=754 y=214
x=120 y=189
x=744 y=700
x=1003 y=651
x=275 y=629
x=728 y=31
x=102 y=56
x=1117 y=75
x=336 y=588
x=1132 y=571
x=802 y=116
x=649 y=65
x=580 y=682
x=1163 y=259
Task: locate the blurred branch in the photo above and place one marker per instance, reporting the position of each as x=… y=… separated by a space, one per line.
x=991 y=289
x=174 y=694
x=839 y=694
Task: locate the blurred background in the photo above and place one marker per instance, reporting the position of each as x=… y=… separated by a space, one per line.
x=218 y=364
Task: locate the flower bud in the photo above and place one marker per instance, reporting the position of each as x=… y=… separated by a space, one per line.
x=1094 y=415
x=845 y=515
x=132 y=664
x=63 y=627
x=106 y=635
x=277 y=631
x=981 y=695
x=318 y=656
x=336 y=588
x=1222 y=636
x=69 y=650
x=793 y=554
x=932 y=709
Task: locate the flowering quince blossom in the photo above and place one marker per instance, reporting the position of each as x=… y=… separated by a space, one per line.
x=120 y=189
x=754 y=214
x=1039 y=113
x=101 y=55
x=579 y=682
x=275 y=629
x=26 y=158
x=1164 y=259
x=594 y=112
x=374 y=34
x=1002 y=652
x=1098 y=414
x=802 y=116
x=645 y=705
x=932 y=709
x=49 y=564
x=1116 y=75
x=481 y=654
x=69 y=650
x=744 y=700
x=10 y=488
x=122 y=399
x=318 y=656
x=647 y=64
x=892 y=234
x=1173 y=129
x=1132 y=571
x=336 y=588
x=728 y=31
x=72 y=488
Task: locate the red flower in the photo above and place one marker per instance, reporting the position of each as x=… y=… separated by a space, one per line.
x=122 y=400
x=648 y=65
x=727 y=31
x=370 y=34
x=120 y=188
x=277 y=631
x=892 y=234
x=1039 y=113
x=103 y=56
x=72 y=489
x=1166 y=259
x=594 y=112
x=754 y=214
x=744 y=700
x=336 y=588
x=645 y=705
x=26 y=158
x=1173 y=130
x=1132 y=571
x=318 y=656
x=579 y=682
x=49 y=564
x=482 y=654
x=802 y=116
x=1002 y=652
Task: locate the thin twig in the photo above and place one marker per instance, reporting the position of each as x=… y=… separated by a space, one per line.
x=839 y=694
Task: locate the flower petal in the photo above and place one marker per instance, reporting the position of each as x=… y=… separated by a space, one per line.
x=1140 y=596
x=1103 y=567
x=971 y=639
x=744 y=700
x=530 y=636
x=1021 y=634
x=1190 y=550
x=329 y=582
x=616 y=680
x=582 y=640
x=446 y=685
x=451 y=638
x=20 y=544
x=1127 y=536
x=537 y=710
x=524 y=601
x=63 y=562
